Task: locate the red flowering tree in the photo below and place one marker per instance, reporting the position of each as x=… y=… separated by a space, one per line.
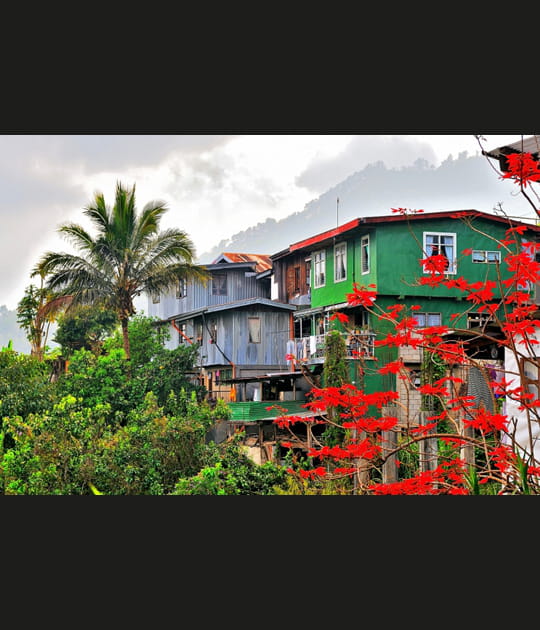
x=459 y=447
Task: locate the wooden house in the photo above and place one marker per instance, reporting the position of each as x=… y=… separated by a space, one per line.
x=239 y=330
x=385 y=252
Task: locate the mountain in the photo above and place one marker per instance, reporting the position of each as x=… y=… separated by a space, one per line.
x=468 y=182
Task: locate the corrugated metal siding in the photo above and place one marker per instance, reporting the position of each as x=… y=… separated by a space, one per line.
x=233 y=336
x=239 y=287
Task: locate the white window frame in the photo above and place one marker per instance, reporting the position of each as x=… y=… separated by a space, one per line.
x=181 y=289
x=364 y=254
x=426 y=316
x=219 y=288
x=340 y=250
x=452 y=267
x=254 y=329
x=182 y=330
x=319 y=259
x=484 y=256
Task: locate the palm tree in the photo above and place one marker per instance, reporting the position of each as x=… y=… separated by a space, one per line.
x=128 y=255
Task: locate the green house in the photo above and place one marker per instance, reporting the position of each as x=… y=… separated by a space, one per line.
x=384 y=254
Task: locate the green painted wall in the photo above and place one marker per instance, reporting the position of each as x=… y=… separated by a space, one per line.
x=395 y=252
x=400 y=250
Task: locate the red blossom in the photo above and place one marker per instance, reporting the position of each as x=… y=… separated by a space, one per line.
x=457 y=283
x=428 y=482
x=449 y=352
x=519 y=229
x=522 y=168
x=484 y=293
x=398 y=340
x=424 y=428
x=432 y=390
x=490 y=308
x=350 y=470
x=391 y=368
x=361 y=296
x=503 y=457
x=395 y=309
x=485 y=421
x=435 y=264
x=432 y=280
x=310 y=474
x=342 y=317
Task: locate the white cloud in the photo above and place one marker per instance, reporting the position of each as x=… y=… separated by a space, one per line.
x=214 y=185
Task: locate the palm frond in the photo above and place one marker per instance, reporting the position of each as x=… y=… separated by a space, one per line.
x=52 y=307
x=77 y=236
x=98 y=213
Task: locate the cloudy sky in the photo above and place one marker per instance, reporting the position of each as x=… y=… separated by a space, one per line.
x=213 y=185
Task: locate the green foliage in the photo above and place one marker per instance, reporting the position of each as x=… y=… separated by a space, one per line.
x=74 y=447
x=50 y=449
x=27 y=317
x=104 y=379
x=293 y=485
x=234 y=473
x=24 y=384
x=335 y=365
x=85 y=326
x=334 y=375
x=147 y=339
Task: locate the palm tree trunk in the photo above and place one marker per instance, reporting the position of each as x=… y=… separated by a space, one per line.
x=124 y=322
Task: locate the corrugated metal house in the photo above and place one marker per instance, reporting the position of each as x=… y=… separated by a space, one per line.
x=239 y=329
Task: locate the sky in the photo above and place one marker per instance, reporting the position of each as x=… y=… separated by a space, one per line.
x=213 y=185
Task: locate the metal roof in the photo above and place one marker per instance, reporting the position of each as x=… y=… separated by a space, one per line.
x=262 y=261
x=230 y=305
x=530 y=145
x=257 y=301
x=324 y=238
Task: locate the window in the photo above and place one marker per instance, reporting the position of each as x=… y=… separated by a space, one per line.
x=254 y=329
x=199 y=332
x=213 y=331
x=182 y=334
x=308 y=272
x=181 y=289
x=485 y=256
x=296 y=279
x=219 y=284
x=531 y=374
x=441 y=243
x=428 y=319
x=320 y=268
x=340 y=262
x=364 y=253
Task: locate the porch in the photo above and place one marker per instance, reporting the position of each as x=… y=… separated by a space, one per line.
x=360 y=344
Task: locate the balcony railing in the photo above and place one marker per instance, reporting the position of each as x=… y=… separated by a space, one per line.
x=360 y=344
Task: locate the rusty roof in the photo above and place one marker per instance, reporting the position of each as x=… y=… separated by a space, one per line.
x=262 y=261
